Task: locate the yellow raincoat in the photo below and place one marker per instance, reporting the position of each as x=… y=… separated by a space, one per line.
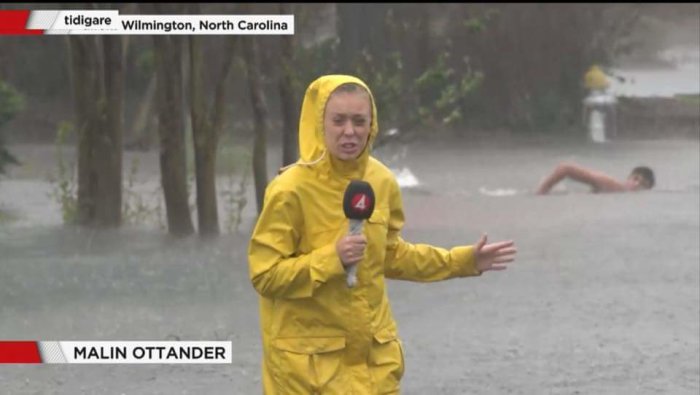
x=318 y=335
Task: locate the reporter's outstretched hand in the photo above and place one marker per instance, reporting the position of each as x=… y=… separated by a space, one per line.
x=493 y=256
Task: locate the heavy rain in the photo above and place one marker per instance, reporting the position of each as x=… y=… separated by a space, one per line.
x=477 y=104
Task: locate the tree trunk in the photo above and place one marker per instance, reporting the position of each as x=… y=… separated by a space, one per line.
x=260 y=116
x=204 y=155
x=360 y=27
x=98 y=87
x=171 y=131
x=287 y=97
x=347 y=17
x=109 y=142
x=206 y=129
x=84 y=78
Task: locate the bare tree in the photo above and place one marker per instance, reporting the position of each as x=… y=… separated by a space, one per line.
x=171 y=128
x=98 y=86
x=260 y=116
x=109 y=159
x=355 y=41
x=206 y=129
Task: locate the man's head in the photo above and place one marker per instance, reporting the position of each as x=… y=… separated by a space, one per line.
x=347 y=121
x=640 y=178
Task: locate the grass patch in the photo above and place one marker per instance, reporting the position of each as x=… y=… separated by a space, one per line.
x=690 y=99
x=7 y=217
x=231 y=158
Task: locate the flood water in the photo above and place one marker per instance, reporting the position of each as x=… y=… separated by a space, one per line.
x=603 y=298
x=682 y=76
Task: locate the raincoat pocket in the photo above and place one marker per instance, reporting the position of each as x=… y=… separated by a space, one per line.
x=376 y=231
x=378 y=217
x=308 y=364
x=386 y=361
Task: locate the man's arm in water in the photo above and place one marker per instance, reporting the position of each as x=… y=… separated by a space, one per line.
x=598 y=181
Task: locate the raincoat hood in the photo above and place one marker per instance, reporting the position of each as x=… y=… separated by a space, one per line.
x=312 y=147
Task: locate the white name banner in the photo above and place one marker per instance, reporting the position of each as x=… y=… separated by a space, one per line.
x=136 y=352
x=110 y=22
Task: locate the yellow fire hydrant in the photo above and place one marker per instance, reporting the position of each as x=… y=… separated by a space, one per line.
x=595 y=79
x=599 y=105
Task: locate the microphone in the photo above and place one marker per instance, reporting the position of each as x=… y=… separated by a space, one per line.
x=358 y=205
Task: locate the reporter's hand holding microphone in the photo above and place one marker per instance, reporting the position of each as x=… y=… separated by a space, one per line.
x=351 y=250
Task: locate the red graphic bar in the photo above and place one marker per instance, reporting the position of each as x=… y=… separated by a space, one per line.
x=19 y=352
x=14 y=22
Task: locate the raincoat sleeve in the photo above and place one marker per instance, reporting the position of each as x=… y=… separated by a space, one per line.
x=277 y=268
x=422 y=262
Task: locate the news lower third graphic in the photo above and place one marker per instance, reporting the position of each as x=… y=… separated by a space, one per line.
x=116 y=352
x=103 y=22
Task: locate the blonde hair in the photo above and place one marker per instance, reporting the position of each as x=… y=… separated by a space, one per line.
x=352 y=87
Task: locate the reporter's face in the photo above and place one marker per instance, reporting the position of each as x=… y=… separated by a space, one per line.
x=346 y=123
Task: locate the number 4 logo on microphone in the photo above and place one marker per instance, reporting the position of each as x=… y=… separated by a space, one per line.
x=360 y=202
